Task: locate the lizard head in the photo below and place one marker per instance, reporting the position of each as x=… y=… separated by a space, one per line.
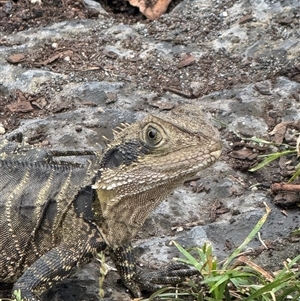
x=149 y=159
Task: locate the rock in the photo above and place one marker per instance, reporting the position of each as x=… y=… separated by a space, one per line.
x=250 y=126
x=95 y=5
x=242 y=67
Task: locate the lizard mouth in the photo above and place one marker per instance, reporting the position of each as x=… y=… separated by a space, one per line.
x=216 y=154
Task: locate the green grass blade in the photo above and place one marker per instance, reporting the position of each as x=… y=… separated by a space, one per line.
x=294 y=176
x=289 y=291
x=270 y=158
x=269 y=287
x=190 y=258
x=290 y=264
x=160 y=293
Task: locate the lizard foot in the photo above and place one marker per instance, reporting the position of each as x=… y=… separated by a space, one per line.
x=173 y=273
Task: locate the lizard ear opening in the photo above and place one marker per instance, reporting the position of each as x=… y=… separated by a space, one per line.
x=113 y=159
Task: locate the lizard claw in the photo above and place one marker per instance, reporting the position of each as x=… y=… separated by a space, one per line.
x=174 y=273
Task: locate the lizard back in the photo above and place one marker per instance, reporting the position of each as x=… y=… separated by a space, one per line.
x=33 y=210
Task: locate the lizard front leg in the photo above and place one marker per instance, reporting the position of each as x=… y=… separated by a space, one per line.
x=142 y=279
x=125 y=262
x=55 y=265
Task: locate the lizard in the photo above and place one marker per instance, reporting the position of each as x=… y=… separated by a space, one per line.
x=56 y=216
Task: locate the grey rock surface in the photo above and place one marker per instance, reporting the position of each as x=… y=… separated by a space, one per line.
x=254 y=57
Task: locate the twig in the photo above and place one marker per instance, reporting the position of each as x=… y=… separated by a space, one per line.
x=285 y=187
x=186 y=94
x=256 y=267
x=262 y=242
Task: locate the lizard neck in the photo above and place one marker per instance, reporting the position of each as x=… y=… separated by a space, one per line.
x=120 y=217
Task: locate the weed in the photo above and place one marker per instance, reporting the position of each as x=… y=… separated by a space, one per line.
x=239 y=279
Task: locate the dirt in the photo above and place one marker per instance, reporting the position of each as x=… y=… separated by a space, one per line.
x=89 y=59
x=21 y=15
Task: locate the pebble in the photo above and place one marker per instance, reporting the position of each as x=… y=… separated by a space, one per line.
x=54 y=45
x=2 y=130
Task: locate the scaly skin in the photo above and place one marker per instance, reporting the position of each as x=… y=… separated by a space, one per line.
x=56 y=215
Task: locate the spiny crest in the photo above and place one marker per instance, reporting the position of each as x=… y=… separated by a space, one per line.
x=120 y=128
x=116 y=133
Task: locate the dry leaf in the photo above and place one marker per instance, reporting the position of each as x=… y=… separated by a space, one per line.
x=56 y=56
x=16 y=58
x=51 y=59
x=279 y=132
x=40 y=102
x=243 y=154
x=20 y=96
x=152 y=9
x=186 y=61
x=23 y=106
x=245 y=19
x=256 y=267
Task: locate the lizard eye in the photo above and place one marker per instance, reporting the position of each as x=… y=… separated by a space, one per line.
x=151 y=133
x=153 y=136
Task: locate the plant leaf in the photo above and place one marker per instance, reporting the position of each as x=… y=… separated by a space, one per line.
x=270 y=158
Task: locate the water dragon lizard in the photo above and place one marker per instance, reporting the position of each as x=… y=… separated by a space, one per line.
x=55 y=216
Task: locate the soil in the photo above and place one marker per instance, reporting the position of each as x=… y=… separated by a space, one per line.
x=82 y=62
